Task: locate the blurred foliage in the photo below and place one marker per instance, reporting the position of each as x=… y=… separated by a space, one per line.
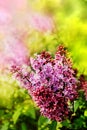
x=17 y=110
x=70 y=19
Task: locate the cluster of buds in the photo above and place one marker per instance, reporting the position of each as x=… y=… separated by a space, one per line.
x=51 y=82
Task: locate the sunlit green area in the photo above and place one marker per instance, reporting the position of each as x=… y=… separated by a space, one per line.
x=17 y=110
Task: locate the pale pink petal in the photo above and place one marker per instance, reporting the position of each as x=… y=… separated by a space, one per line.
x=5 y=17
x=13 y=4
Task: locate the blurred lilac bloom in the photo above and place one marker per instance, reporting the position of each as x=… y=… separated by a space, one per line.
x=12 y=47
x=40 y=22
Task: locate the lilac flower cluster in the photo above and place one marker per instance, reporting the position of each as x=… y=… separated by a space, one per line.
x=51 y=82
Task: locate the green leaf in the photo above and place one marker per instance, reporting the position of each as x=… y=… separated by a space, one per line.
x=30 y=112
x=16 y=114
x=66 y=123
x=53 y=125
x=23 y=126
x=5 y=125
x=43 y=122
x=85 y=113
x=59 y=125
x=76 y=105
x=1 y=112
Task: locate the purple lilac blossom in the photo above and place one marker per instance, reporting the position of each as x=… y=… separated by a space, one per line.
x=51 y=82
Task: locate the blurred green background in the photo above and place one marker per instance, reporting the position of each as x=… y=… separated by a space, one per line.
x=17 y=110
